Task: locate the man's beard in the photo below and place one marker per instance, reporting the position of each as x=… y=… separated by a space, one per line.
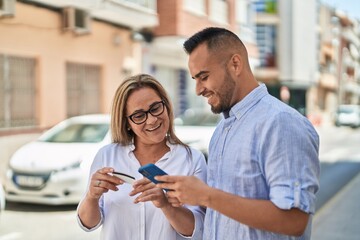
x=224 y=94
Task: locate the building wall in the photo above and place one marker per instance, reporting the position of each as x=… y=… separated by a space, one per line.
x=175 y=20
x=37 y=32
x=297 y=42
x=167 y=59
x=168 y=17
x=293 y=39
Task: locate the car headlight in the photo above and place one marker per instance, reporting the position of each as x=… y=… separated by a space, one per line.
x=69 y=167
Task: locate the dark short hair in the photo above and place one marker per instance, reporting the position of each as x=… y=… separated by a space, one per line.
x=214 y=37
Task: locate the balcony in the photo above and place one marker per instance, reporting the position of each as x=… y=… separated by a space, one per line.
x=266 y=6
x=135 y=14
x=129 y=13
x=266 y=12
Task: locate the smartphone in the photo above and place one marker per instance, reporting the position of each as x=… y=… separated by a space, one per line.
x=124 y=177
x=150 y=171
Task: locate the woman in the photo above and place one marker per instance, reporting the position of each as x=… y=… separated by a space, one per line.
x=142 y=132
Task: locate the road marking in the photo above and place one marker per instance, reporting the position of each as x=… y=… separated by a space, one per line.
x=11 y=236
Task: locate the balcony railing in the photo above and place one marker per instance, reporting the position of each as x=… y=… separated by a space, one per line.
x=266 y=6
x=149 y=4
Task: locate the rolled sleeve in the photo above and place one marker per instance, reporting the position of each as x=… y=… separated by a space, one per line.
x=199 y=214
x=86 y=229
x=287 y=197
x=292 y=165
x=82 y=226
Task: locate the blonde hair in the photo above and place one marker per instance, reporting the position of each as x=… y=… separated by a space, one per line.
x=120 y=131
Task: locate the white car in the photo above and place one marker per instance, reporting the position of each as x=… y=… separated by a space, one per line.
x=195 y=128
x=348 y=115
x=54 y=169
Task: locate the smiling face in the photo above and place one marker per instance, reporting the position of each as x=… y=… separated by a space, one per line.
x=213 y=79
x=154 y=129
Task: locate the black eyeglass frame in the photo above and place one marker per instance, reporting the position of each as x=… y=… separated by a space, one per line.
x=147 y=112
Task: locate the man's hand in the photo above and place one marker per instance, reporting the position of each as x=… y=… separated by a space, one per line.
x=187 y=189
x=149 y=192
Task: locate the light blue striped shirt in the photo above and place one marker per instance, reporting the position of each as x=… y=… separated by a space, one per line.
x=266 y=150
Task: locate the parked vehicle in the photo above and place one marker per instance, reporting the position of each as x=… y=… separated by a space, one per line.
x=195 y=128
x=54 y=169
x=348 y=115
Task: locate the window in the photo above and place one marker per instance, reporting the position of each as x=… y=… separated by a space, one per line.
x=83 y=89
x=266 y=41
x=194 y=101
x=179 y=86
x=196 y=7
x=17 y=92
x=78 y=132
x=168 y=78
x=219 y=12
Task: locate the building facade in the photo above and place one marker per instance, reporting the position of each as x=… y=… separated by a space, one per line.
x=288 y=44
x=339 y=61
x=165 y=58
x=60 y=58
x=64 y=58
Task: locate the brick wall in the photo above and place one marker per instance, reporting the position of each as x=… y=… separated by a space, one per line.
x=175 y=21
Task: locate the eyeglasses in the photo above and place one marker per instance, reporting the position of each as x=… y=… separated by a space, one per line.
x=155 y=110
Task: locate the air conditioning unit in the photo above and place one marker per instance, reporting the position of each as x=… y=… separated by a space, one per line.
x=7 y=8
x=76 y=20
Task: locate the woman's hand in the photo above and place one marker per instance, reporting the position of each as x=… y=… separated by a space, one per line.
x=149 y=192
x=174 y=201
x=101 y=182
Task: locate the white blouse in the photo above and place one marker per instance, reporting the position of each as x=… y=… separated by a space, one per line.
x=121 y=218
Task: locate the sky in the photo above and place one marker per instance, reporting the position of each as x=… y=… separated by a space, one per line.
x=350 y=7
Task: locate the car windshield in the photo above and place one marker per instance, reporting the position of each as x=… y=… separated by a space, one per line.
x=347 y=110
x=192 y=117
x=80 y=133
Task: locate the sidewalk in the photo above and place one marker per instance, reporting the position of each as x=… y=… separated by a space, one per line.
x=340 y=218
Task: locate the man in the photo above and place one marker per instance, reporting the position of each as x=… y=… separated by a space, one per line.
x=263 y=165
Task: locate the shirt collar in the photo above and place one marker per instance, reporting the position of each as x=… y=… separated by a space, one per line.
x=131 y=147
x=240 y=108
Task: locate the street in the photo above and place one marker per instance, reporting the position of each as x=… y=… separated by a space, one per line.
x=340 y=161
x=34 y=222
